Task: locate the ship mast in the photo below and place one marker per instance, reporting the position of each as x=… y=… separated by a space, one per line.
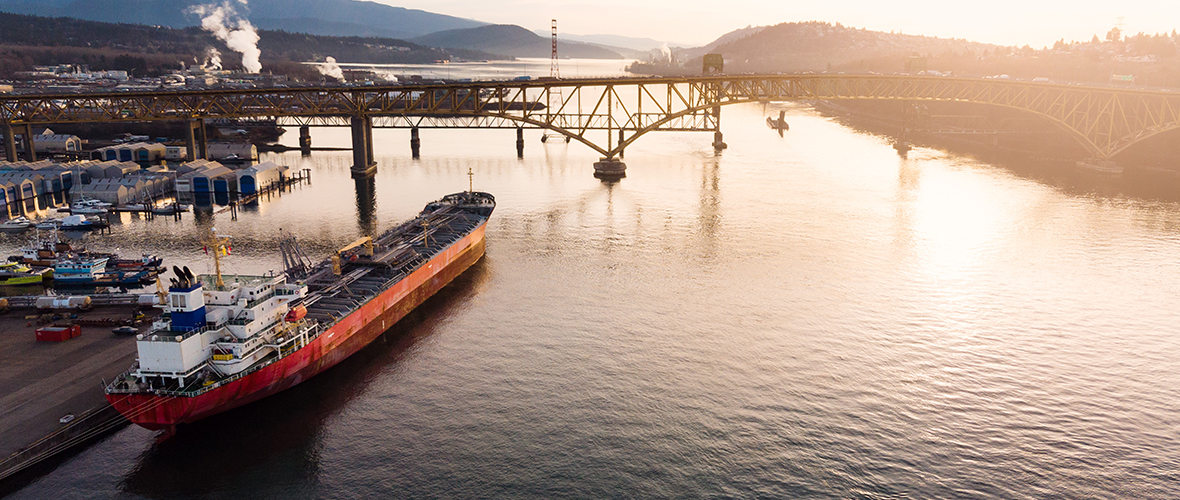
x=470 y=180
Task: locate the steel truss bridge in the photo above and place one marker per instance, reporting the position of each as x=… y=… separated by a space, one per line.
x=1104 y=120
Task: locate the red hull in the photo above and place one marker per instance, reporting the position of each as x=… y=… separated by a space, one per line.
x=349 y=335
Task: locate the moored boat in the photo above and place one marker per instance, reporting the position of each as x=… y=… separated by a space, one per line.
x=1097 y=166
x=226 y=341
x=15 y=273
x=16 y=224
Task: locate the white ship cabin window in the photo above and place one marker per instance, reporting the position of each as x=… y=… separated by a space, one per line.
x=179 y=301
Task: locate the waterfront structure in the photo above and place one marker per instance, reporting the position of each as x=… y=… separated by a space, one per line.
x=233 y=151
x=260 y=177
x=143 y=153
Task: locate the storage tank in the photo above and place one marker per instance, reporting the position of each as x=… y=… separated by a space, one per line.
x=63 y=302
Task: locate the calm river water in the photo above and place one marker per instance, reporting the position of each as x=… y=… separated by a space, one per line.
x=799 y=317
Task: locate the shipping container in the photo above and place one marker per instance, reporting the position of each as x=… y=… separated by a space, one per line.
x=58 y=333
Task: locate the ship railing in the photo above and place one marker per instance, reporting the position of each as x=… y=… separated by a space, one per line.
x=259 y=300
x=129 y=373
x=165 y=337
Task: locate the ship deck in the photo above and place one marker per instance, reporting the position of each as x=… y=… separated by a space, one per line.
x=397 y=253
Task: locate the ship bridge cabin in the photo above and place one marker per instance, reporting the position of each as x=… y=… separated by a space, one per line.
x=212 y=331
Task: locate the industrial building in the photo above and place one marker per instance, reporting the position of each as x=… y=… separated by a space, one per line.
x=232 y=151
x=144 y=153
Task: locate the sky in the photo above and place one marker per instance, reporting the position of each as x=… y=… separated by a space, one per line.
x=697 y=22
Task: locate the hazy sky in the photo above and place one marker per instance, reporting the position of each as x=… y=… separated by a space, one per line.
x=697 y=22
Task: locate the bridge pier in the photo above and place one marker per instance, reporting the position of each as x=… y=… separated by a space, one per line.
x=305 y=140
x=196 y=145
x=610 y=169
x=362 y=148
x=520 y=142
x=621 y=138
x=30 y=148
x=718 y=143
x=415 y=143
x=9 y=143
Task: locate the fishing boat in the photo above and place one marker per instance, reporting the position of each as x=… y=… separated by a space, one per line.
x=145 y=261
x=87 y=272
x=78 y=270
x=228 y=340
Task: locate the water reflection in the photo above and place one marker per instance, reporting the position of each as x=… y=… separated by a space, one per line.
x=366 y=205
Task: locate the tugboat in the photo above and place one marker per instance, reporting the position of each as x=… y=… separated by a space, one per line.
x=228 y=340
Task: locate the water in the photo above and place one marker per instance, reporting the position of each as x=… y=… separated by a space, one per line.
x=799 y=317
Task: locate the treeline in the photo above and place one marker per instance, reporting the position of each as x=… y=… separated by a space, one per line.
x=29 y=41
x=1153 y=60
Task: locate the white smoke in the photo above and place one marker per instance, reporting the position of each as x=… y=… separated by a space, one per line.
x=237 y=33
x=330 y=68
x=667 y=52
x=212 y=59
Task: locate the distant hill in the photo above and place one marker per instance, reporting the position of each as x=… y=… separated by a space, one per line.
x=147 y=50
x=320 y=17
x=612 y=41
x=818 y=46
x=511 y=40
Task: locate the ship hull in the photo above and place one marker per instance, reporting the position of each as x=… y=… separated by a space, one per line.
x=341 y=340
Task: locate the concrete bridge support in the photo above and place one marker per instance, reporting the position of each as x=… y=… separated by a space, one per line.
x=718 y=143
x=9 y=143
x=520 y=142
x=30 y=148
x=610 y=169
x=305 y=140
x=362 y=148
x=415 y=143
x=196 y=144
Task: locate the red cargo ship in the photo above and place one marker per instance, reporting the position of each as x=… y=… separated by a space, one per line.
x=226 y=341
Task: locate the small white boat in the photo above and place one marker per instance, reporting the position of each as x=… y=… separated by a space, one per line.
x=87 y=209
x=16 y=224
x=171 y=208
x=1104 y=167
x=50 y=223
x=79 y=222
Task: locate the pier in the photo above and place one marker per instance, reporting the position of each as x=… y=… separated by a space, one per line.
x=46 y=381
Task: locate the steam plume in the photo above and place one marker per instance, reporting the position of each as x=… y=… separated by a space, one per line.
x=667 y=52
x=237 y=32
x=212 y=59
x=330 y=68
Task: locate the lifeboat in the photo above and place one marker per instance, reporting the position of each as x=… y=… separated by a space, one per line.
x=296 y=313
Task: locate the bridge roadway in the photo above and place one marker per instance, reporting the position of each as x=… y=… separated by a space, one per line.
x=1104 y=120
